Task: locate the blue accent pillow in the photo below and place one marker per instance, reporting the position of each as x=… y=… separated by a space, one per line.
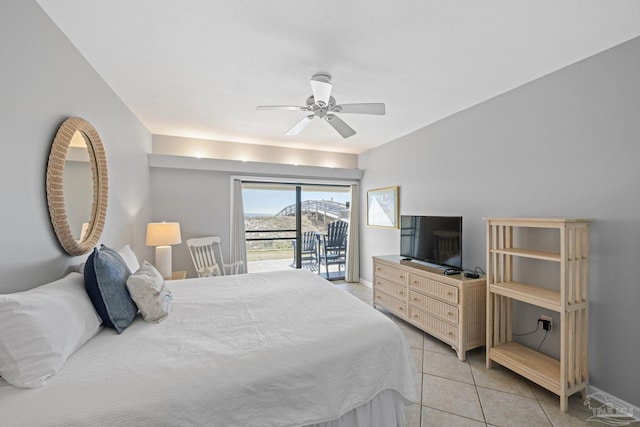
x=105 y=279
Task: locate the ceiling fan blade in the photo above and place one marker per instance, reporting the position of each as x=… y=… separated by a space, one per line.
x=295 y=129
x=321 y=87
x=362 y=108
x=282 y=107
x=338 y=124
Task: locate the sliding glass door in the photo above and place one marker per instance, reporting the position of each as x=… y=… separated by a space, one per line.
x=269 y=229
x=282 y=221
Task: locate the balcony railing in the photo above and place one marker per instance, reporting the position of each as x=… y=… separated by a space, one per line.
x=328 y=208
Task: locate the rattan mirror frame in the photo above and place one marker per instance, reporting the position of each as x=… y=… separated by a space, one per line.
x=55 y=185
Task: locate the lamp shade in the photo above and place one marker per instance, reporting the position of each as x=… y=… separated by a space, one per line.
x=163 y=233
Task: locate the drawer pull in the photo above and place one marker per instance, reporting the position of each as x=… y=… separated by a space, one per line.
x=415 y=299
x=401 y=293
x=400 y=308
x=449 y=294
x=450 y=333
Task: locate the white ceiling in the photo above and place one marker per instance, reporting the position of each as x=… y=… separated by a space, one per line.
x=198 y=68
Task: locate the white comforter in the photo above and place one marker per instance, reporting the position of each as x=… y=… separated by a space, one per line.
x=284 y=348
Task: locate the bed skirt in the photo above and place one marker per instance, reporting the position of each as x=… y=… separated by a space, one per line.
x=386 y=409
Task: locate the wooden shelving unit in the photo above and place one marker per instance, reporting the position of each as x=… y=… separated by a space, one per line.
x=570 y=374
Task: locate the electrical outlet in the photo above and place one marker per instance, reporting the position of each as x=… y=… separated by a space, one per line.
x=548 y=319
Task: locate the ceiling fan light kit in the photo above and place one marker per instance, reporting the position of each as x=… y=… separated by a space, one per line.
x=322 y=105
x=321 y=87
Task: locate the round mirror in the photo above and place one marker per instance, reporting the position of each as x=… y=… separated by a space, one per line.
x=77 y=186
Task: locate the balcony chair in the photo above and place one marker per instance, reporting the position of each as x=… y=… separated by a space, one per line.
x=206 y=255
x=309 y=249
x=332 y=248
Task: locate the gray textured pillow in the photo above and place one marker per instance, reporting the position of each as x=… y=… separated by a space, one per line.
x=105 y=279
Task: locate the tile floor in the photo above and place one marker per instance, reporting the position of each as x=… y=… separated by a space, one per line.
x=456 y=393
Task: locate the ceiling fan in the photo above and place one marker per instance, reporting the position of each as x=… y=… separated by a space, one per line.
x=323 y=106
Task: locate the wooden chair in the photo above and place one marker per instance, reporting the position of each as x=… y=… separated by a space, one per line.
x=206 y=255
x=308 y=248
x=332 y=247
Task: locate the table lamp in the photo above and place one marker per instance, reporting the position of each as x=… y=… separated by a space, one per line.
x=162 y=235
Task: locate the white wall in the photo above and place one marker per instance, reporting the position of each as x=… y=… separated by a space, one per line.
x=203 y=148
x=566 y=145
x=199 y=201
x=197 y=193
x=44 y=80
x=196 y=173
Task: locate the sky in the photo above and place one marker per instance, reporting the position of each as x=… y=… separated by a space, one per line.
x=273 y=201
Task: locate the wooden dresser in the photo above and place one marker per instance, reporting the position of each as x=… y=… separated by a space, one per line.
x=451 y=308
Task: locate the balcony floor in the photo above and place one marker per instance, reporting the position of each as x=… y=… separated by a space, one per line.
x=286 y=263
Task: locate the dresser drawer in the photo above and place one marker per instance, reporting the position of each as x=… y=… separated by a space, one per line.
x=432 y=288
x=393 y=304
x=393 y=289
x=392 y=274
x=433 y=326
x=434 y=307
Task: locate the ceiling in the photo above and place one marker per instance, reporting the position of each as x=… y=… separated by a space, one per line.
x=199 y=68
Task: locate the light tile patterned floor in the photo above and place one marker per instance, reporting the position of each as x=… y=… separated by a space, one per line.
x=456 y=393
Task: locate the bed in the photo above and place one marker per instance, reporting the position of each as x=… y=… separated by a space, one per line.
x=267 y=349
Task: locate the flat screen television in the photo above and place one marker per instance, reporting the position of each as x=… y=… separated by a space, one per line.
x=432 y=239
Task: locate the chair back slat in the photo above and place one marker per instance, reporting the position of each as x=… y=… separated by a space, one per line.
x=206 y=254
x=333 y=247
x=308 y=241
x=307 y=249
x=337 y=234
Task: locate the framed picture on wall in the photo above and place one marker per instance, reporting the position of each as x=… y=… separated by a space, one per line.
x=382 y=207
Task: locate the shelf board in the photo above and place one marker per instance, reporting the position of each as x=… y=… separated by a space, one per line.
x=537 y=367
x=541 y=297
x=547 y=256
x=536 y=222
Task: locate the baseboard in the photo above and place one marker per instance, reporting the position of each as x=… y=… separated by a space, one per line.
x=614 y=402
x=367 y=283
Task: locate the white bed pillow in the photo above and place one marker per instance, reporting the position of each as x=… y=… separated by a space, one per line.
x=127 y=255
x=129 y=258
x=148 y=290
x=40 y=328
